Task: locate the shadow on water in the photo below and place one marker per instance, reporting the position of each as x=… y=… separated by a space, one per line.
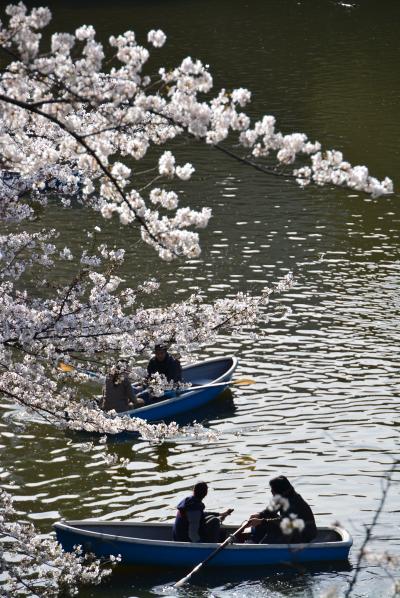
x=159 y=581
x=222 y=407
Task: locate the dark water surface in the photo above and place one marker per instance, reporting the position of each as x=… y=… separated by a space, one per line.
x=325 y=408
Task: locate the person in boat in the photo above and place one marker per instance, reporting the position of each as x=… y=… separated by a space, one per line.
x=267 y=526
x=165 y=364
x=118 y=393
x=193 y=523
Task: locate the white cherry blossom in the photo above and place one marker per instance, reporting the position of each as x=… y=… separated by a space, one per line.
x=157 y=38
x=33 y=565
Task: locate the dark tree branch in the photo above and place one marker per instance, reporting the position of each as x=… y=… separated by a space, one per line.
x=91 y=152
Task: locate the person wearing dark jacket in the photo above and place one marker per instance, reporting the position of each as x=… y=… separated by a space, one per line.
x=193 y=523
x=165 y=364
x=118 y=393
x=270 y=527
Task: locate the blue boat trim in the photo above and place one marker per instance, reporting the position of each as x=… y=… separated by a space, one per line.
x=148 y=543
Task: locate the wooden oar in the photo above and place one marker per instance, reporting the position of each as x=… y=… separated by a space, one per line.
x=190 y=388
x=229 y=539
x=66 y=367
x=241 y=381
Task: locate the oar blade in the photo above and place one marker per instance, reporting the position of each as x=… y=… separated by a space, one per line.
x=228 y=540
x=64 y=367
x=182 y=581
x=185 y=579
x=243 y=381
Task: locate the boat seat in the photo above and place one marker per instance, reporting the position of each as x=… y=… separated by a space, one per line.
x=328 y=535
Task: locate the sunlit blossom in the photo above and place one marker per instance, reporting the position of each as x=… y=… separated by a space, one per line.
x=157 y=38
x=41 y=568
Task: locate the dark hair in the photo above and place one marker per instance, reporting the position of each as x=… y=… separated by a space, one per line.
x=200 y=490
x=160 y=347
x=281 y=486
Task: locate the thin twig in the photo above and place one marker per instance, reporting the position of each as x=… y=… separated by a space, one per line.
x=370 y=529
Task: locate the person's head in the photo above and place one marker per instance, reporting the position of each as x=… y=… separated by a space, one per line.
x=160 y=351
x=281 y=485
x=200 y=490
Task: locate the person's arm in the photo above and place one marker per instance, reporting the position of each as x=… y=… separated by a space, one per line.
x=194 y=518
x=174 y=369
x=103 y=398
x=131 y=394
x=151 y=368
x=255 y=520
x=258 y=518
x=129 y=390
x=178 y=371
x=225 y=514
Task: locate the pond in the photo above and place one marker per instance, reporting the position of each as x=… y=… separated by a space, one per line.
x=325 y=407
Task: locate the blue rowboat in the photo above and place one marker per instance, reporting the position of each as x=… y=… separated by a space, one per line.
x=151 y=543
x=24 y=184
x=207 y=373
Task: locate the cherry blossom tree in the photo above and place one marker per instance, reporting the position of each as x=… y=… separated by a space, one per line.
x=66 y=125
x=32 y=565
x=75 y=118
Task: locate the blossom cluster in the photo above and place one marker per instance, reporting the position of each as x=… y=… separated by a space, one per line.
x=290 y=522
x=69 y=124
x=33 y=565
x=95 y=313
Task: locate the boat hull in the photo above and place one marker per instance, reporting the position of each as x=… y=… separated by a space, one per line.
x=144 y=544
x=210 y=371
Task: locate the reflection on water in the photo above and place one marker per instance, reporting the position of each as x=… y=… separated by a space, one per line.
x=325 y=406
x=279 y=581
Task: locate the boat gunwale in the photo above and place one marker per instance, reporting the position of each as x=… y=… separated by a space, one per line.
x=190 y=391
x=345 y=542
